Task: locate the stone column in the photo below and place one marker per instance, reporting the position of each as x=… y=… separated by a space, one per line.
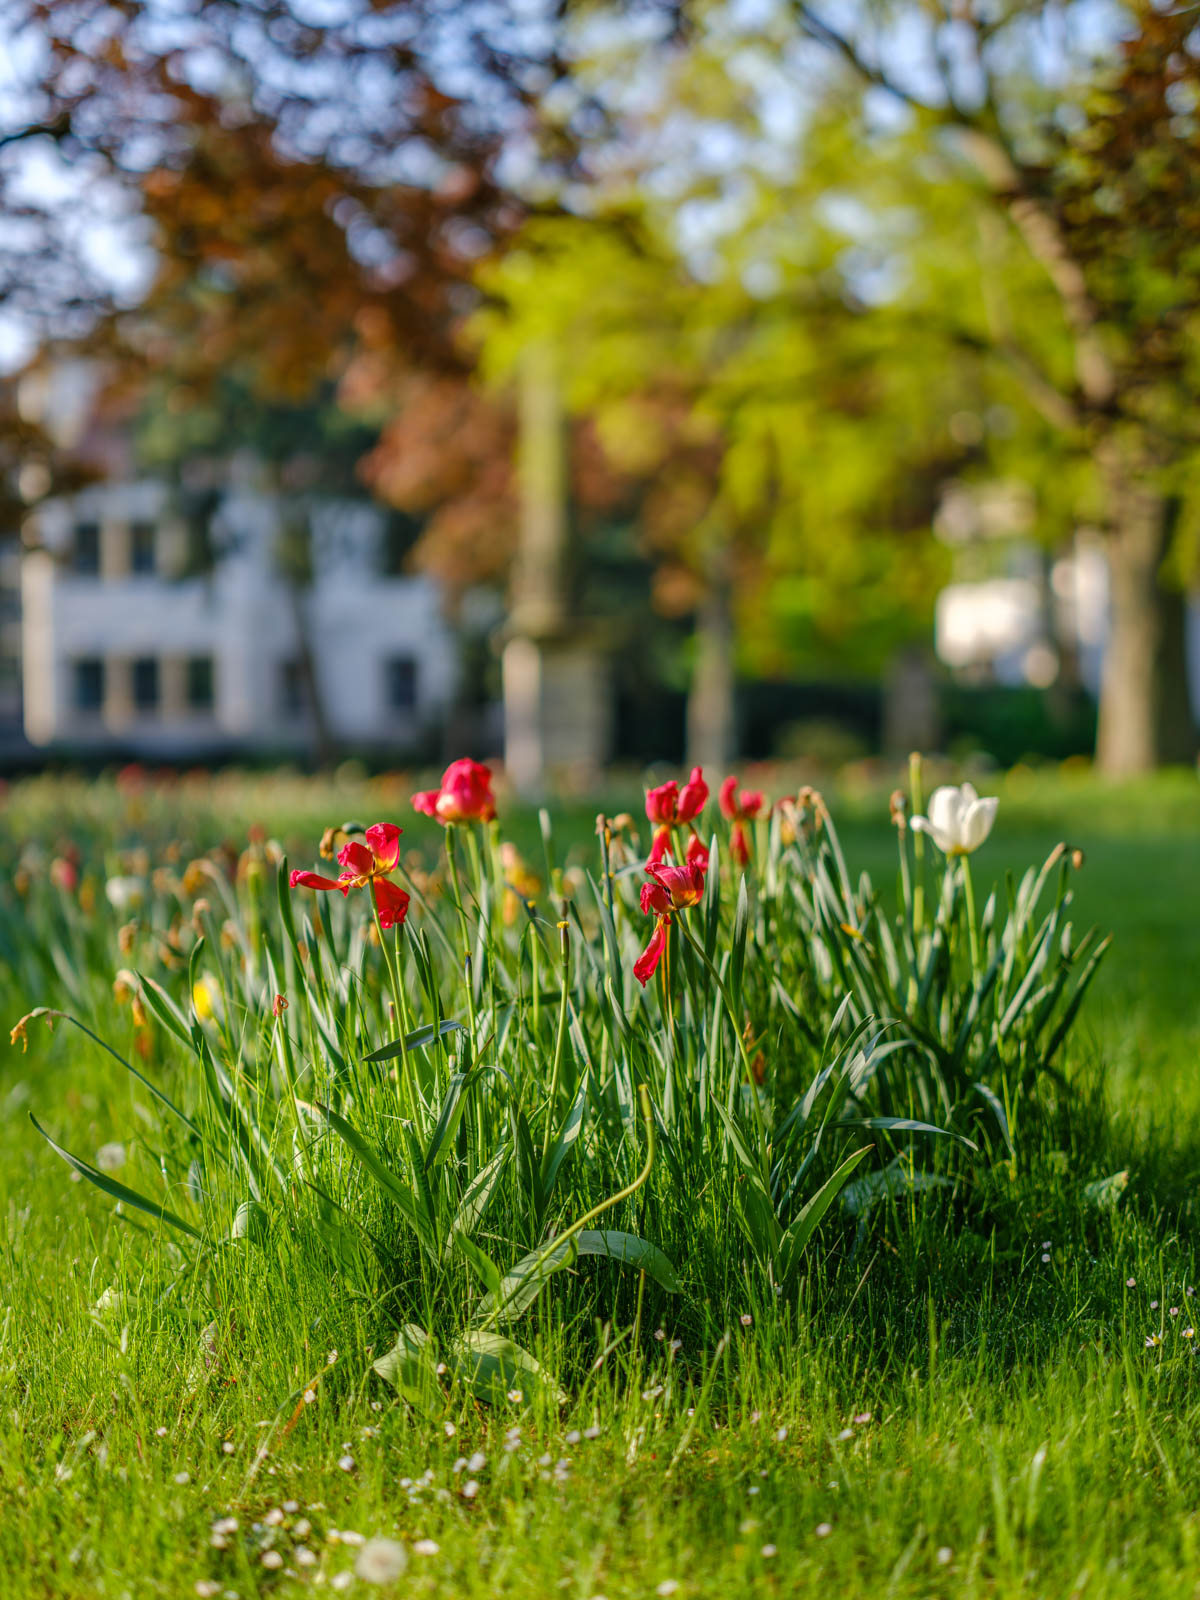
x=557 y=694
x=118 y=711
x=172 y=689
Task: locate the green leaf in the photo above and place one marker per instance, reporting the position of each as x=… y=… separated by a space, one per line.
x=392 y=1185
x=630 y=1251
x=904 y=1125
x=410 y=1369
x=478 y=1194
x=115 y=1190
x=251 y=1221
x=521 y=1286
x=493 y=1366
x=897 y=1178
x=796 y=1237
x=481 y=1263
x=416 y=1040
x=1105 y=1193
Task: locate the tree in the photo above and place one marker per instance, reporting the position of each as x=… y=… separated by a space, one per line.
x=1094 y=166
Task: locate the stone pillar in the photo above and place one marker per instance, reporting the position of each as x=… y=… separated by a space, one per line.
x=557 y=691
x=172 y=689
x=118 y=710
x=116 y=546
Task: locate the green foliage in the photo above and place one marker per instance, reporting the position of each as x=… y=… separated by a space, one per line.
x=961 y=1352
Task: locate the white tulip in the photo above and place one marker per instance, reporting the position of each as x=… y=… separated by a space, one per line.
x=958 y=821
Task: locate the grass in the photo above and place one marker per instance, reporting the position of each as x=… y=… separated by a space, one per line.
x=930 y=1408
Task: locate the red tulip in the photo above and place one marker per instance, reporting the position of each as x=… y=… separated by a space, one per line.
x=740 y=809
x=668 y=806
x=670 y=889
x=367 y=865
x=465 y=794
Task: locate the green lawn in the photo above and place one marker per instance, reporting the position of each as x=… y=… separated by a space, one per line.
x=955 y=1397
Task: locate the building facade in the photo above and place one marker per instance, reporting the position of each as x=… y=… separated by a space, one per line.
x=139 y=636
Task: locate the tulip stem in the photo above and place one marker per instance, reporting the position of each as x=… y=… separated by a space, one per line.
x=918 y=839
x=456 y=889
x=397 y=1000
x=972 y=923
x=564 y=931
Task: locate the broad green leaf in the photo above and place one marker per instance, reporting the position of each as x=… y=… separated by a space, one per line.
x=630 y=1251
x=478 y=1194
x=521 y=1286
x=410 y=1369
x=494 y=1367
x=1105 y=1193
x=897 y=1178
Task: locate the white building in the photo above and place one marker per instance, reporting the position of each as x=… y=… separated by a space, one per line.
x=129 y=641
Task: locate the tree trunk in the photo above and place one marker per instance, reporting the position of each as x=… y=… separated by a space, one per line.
x=1146 y=718
x=711 y=715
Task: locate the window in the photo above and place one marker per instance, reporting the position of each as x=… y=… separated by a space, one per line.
x=200 y=683
x=85 y=552
x=401 y=683
x=142 y=540
x=10 y=689
x=145 y=683
x=292 y=696
x=89 y=684
x=400 y=533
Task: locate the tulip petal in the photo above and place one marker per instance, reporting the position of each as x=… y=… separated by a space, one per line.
x=357 y=858
x=391 y=901
x=314 y=880
x=425 y=801
x=646 y=964
x=384 y=840
x=977 y=823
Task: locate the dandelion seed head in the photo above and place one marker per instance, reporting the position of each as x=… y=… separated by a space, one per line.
x=824 y=1529
x=346 y=1463
x=426 y=1547
x=271 y=1559
x=768 y=1551
x=470 y=1489
x=944 y=1556
x=183 y=1477
x=477 y=1462
x=381 y=1561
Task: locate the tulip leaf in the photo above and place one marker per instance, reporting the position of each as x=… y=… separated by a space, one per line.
x=117 y=1191
x=416 y=1040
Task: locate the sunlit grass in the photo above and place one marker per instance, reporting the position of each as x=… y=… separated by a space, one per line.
x=935 y=1408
